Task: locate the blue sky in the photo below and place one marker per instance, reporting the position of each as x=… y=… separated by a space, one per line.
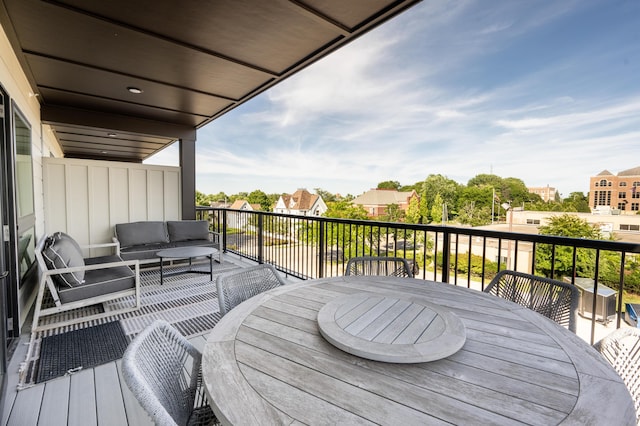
x=547 y=91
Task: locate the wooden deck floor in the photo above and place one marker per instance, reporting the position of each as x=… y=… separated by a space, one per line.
x=95 y=396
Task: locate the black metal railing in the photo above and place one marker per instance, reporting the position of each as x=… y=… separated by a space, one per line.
x=316 y=247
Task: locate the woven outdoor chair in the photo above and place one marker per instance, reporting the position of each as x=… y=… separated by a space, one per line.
x=621 y=349
x=162 y=369
x=553 y=299
x=372 y=265
x=237 y=286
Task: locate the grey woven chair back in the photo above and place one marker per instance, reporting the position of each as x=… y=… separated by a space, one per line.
x=237 y=286
x=162 y=369
x=372 y=265
x=621 y=349
x=553 y=299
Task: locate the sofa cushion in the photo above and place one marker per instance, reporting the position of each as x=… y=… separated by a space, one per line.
x=62 y=251
x=99 y=282
x=140 y=233
x=145 y=252
x=187 y=230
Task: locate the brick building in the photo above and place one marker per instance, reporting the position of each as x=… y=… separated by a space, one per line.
x=619 y=192
x=547 y=193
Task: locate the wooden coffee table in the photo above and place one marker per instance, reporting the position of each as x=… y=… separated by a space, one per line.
x=185 y=253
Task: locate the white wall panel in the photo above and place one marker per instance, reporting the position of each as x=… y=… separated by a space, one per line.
x=99 y=207
x=172 y=197
x=78 y=201
x=155 y=199
x=118 y=195
x=87 y=198
x=55 y=191
x=138 y=195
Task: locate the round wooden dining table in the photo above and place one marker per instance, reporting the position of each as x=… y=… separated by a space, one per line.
x=267 y=362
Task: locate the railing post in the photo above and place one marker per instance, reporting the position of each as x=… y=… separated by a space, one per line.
x=260 y=238
x=446 y=243
x=224 y=230
x=321 y=253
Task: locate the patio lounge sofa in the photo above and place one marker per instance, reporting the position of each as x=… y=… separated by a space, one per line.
x=142 y=240
x=75 y=282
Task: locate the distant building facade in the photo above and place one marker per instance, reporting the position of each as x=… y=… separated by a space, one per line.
x=547 y=193
x=244 y=205
x=301 y=203
x=375 y=201
x=617 y=193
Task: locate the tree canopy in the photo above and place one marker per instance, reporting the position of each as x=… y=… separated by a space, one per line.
x=470 y=204
x=389 y=184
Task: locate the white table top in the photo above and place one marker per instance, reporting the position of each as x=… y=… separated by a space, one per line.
x=186 y=252
x=266 y=362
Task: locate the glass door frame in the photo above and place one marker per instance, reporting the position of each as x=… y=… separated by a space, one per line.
x=5 y=270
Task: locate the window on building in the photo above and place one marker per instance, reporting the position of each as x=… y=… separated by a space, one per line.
x=533 y=221
x=603 y=182
x=622 y=194
x=635 y=207
x=635 y=194
x=596 y=184
x=622 y=206
x=623 y=183
x=627 y=227
x=603 y=198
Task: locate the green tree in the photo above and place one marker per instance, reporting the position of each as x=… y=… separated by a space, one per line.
x=344 y=209
x=413 y=211
x=325 y=195
x=436 y=209
x=489 y=180
x=259 y=197
x=393 y=213
x=567 y=225
x=389 y=184
x=474 y=205
x=433 y=185
x=577 y=202
x=201 y=199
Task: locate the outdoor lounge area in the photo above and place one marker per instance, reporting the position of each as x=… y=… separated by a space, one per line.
x=91 y=90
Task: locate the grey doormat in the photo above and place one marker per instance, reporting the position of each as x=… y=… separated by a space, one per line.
x=80 y=349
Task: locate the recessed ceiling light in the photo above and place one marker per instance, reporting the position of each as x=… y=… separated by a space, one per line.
x=111 y=135
x=135 y=90
x=103 y=152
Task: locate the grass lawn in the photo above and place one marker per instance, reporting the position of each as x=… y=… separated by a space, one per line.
x=630 y=298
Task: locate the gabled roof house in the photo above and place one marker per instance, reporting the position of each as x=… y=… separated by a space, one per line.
x=375 y=201
x=301 y=203
x=244 y=205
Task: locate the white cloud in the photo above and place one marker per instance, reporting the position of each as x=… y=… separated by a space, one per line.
x=436 y=91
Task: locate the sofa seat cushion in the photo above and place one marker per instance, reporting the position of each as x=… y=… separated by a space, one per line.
x=99 y=282
x=144 y=252
x=194 y=243
x=62 y=251
x=141 y=233
x=187 y=230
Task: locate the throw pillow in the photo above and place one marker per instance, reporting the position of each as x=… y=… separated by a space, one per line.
x=187 y=230
x=62 y=251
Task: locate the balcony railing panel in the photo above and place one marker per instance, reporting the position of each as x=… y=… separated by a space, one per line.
x=316 y=247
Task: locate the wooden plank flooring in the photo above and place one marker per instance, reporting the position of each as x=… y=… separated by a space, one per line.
x=96 y=396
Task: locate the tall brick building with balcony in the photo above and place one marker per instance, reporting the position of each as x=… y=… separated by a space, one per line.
x=618 y=192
